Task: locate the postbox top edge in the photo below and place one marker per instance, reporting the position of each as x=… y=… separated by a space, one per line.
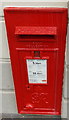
x=47 y=9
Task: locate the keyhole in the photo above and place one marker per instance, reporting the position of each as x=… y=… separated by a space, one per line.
x=28 y=88
x=36 y=53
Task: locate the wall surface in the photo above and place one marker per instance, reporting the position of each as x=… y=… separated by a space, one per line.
x=8 y=102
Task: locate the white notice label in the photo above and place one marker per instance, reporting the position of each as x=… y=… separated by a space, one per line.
x=37 y=70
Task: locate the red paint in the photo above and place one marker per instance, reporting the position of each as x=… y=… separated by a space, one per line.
x=35 y=30
x=37 y=33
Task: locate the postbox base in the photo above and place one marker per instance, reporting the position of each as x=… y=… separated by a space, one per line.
x=27 y=116
x=40 y=113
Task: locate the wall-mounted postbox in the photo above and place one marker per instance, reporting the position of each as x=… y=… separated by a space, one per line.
x=36 y=38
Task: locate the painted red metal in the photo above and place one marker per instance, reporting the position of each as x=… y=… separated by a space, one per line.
x=26 y=30
x=37 y=33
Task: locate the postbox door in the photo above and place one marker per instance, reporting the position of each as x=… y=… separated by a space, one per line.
x=38 y=76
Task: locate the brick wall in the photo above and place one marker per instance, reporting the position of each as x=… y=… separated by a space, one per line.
x=8 y=102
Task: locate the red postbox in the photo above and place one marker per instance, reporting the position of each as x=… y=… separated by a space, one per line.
x=36 y=38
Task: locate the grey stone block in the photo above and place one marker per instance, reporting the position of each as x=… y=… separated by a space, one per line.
x=64 y=108
x=9 y=102
x=4 y=50
x=7 y=79
x=68 y=45
x=66 y=83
